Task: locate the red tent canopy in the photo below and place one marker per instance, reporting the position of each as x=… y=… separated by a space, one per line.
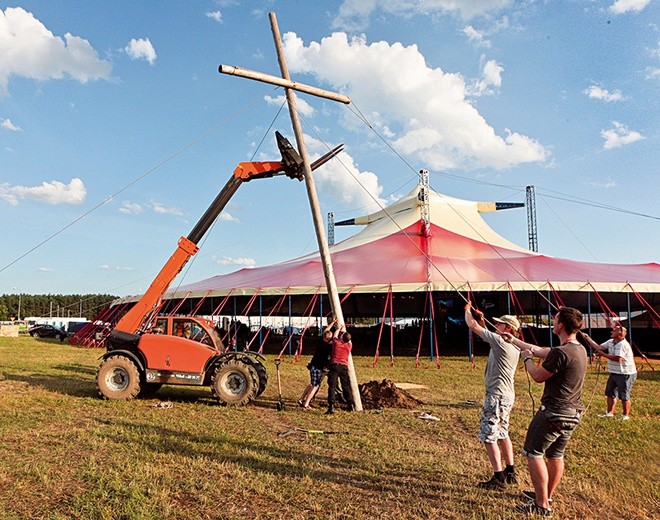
x=457 y=251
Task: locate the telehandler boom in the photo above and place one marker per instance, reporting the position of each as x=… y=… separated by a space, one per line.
x=145 y=351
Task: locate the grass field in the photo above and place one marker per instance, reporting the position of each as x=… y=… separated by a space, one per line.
x=65 y=453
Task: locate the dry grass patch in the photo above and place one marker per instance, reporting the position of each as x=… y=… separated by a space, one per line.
x=65 y=453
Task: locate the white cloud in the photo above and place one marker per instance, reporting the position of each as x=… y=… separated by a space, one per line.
x=106 y=267
x=596 y=92
x=477 y=37
x=8 y=125
x=130 y=208
x=46 y=269
x=625 y=6
x=226 y=260
x=28 y=49
x=619 y=136
x=303 y=107
x=227 y=217
x=491 y=76
x=652 y=72
x=216 y=15
x=54 y=192
x=354 y=14
x=342 y=180
x=427 y=107
x=162 y=210
x=141 y=50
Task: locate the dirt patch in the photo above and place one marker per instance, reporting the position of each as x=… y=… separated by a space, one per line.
x=385 y=394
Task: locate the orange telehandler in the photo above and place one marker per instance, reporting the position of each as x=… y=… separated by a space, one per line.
x=145 y=351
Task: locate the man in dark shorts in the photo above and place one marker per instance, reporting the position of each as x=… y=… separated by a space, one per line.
x=318 y=367
x=563 y=370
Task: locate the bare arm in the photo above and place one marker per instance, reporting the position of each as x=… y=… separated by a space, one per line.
x=330 y=325
x=533 y=350
x=471 y=322
x=536 y=372
x=601 y=350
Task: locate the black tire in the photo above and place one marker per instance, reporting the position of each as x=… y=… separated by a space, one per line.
x=117 y=378
x=59 y=336
x=234 y=383
x=36 y=335
x=260 y=369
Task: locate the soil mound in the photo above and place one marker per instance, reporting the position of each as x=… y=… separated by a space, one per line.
x=385 y=395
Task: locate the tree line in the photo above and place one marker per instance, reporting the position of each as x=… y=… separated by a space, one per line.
x=55 y=305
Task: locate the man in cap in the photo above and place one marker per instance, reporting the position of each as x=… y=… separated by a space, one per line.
x=500 y=396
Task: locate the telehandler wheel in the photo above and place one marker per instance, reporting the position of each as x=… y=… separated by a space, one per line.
x=118 y=378
x=234 y=384
x=260 y=369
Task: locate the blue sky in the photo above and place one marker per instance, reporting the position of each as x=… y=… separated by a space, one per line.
x=117 y=131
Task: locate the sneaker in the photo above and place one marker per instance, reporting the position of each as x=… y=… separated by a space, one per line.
x=511 y=477
x=606 y=414
x=531 y=495
x=493 y=484
x=625 y=417
x=533 y=509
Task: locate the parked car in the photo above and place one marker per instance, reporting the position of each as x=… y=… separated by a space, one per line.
x=75 y=327
x=47 y=331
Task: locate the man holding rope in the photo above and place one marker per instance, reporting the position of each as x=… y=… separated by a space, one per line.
x=500 y=396
x=563 y=370
x=622 y=369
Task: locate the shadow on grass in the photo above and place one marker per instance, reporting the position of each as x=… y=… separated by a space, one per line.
x=67 y=385
x=286 y=461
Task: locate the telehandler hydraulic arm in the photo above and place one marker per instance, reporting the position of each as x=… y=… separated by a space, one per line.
x=291 y=165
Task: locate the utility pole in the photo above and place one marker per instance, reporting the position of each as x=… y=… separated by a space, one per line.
x=326 y=261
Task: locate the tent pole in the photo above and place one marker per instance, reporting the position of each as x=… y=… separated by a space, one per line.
x=431 y=324
x=550 y=318
x=591 y=352
x=289 y=323
x=324 y=251
x=261 y=325
x=630 y=332
x=508 y=302
x=235 y=320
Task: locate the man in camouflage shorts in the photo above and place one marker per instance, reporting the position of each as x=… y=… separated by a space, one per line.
x=500 y=396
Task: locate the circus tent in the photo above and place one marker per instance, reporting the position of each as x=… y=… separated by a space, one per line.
x=455 y=251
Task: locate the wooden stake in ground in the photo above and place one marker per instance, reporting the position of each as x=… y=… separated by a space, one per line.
x=326 y=261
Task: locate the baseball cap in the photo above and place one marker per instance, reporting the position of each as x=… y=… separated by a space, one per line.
x=509 y=320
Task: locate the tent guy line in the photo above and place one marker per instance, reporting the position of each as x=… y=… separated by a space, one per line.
x=450 y=205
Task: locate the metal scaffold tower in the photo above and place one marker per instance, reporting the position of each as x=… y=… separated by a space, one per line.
x=331 y=228
x=531 y=219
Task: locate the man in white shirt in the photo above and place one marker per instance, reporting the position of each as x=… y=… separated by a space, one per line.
x=622 y=369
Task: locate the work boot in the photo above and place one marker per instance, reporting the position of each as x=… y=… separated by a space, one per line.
x=331 y=409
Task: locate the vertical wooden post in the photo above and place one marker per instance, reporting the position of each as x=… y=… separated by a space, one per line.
x=326 y=261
